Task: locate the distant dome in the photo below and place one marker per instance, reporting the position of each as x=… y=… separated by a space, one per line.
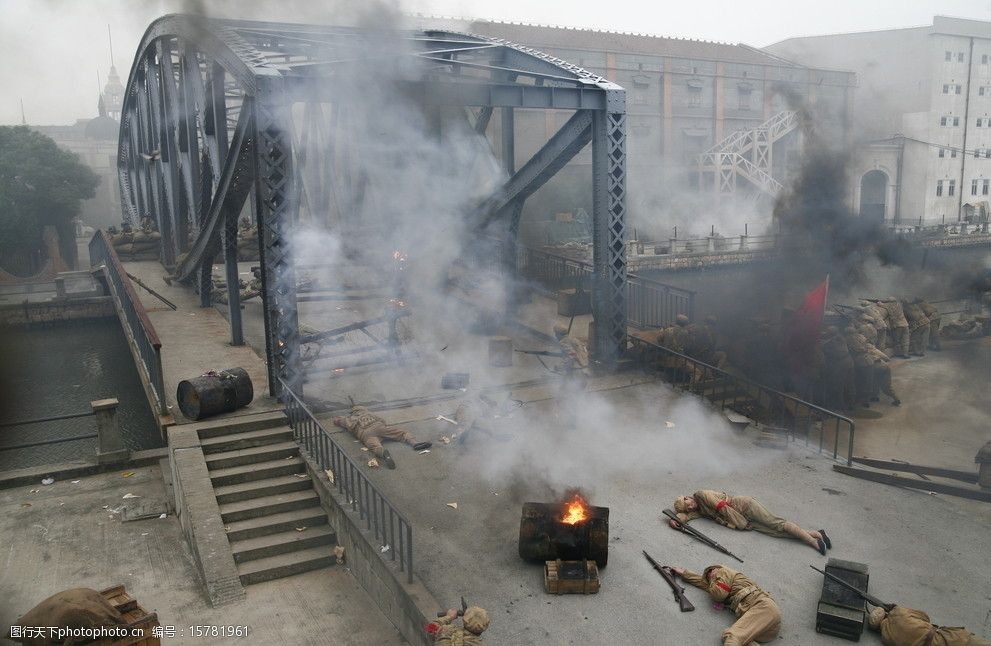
x=102 y=127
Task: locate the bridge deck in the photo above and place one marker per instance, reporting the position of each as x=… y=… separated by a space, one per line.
x=616 y=445
x=196 y=340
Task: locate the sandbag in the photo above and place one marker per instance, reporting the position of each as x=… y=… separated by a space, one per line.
x=73 y=608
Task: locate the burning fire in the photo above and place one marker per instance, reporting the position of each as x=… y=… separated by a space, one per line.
x=577 y=510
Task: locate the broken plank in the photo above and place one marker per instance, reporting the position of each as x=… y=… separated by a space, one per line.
x=899 y=481
x=919 y=469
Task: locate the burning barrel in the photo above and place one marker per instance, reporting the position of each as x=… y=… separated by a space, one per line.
x=214 y=393
x=572 y=530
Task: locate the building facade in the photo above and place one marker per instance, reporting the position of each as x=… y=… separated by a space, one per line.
x=684 y=97
x=922 y=116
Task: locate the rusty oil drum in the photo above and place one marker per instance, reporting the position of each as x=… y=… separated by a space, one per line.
x=214 y=393
x=543 y=537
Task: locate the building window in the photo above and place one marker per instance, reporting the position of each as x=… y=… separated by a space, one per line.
x=939 y=186
x=951 y=88
x=744 y=95
x=942 y=152
x=973 y=187
x=959 y=57
x=980 y=91
x=949 y=56
x=949 y=121
x=984 y=59
x=953 y=153
x=951 y=187
x=985 y=186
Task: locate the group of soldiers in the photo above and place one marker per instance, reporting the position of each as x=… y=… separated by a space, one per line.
x=758 y=617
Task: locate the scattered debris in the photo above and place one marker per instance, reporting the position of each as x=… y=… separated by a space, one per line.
x=47 y=481
x=128 y=496
x=127 y=474
x=834 y=492
x=144 y=533
x=35 y=490
x=301 y=476
x=227 y=528
x=424 y=451
x=75 y=482
x=384 y=549
x=330 y=475
x=669 y=424
x=339 y=553
x=301 y=529
x=25 y=504
x=373 y=463
x=452 y=505
x=364 y=448
x=446 y=419
x=163 y=515
x=445 y=439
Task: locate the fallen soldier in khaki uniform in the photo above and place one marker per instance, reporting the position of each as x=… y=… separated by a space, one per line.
x=744 y=512
x=906 y=627
x=475 y=621
x=758 y=616
x=372 y=429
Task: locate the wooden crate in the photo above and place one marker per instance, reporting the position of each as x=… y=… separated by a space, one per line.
x=571 y=577
x=134 y=617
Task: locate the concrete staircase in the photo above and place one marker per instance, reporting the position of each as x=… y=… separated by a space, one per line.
x=272 y=514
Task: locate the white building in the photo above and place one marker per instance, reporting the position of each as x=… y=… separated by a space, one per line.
x=922 y=115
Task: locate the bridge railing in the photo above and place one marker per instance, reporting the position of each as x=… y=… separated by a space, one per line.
x=766 y=405
x=388 y=525
x=649 y=303
x=137 y=324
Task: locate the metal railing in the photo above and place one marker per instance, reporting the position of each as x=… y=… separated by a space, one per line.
x=137 y=325
x=649 y=303
x=381 y=517
x=766 y=405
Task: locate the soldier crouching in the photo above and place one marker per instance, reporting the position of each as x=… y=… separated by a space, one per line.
x=758 y=616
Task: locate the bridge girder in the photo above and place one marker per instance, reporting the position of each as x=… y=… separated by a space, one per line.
x=208 y=120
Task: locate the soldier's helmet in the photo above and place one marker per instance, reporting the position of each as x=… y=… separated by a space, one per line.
x=560 y=331
x=681 y=320
x=876 y=617
x=476 y=620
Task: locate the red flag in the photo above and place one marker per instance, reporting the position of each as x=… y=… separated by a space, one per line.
x=803 y=330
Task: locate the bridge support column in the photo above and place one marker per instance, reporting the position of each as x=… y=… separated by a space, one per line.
x=277 y=203
x=609 y=229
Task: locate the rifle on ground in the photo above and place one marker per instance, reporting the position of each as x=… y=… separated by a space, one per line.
x=697 y=535
x=542 y=353
x=461 y=613
x=151 y=291
x=871 y=599
x=669 y=576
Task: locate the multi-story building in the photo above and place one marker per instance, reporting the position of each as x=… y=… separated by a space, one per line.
x=922 y=115
x=684 y=97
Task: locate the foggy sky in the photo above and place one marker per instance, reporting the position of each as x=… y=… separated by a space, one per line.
x=53 y=49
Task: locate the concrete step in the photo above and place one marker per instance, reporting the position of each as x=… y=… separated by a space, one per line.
x=266 y=505
x=252 y=455
x=252 y=549
x=246 y=440
x=276 y=567
x=241 y=424
x=240 y=530
x=256 y=471
x=260 y=488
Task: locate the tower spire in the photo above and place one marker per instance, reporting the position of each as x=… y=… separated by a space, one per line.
x=110 y=40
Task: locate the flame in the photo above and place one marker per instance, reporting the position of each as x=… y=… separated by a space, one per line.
x=577 y=511
x=399 y=255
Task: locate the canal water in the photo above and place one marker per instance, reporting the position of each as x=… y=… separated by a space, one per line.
x=56 y=370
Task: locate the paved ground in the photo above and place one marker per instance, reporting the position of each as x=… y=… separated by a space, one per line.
x=65 y=538
x=615 y=445
x=943 y=420
x=196 y=340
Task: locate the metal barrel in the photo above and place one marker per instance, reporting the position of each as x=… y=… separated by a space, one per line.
x=215 y=393
x=543 y=537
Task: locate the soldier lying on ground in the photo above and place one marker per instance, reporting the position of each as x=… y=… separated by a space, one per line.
x=906 y=627
x=372 y=429
x=967 y=327
x=758 y=616
x=745 y=512
x=475 y=621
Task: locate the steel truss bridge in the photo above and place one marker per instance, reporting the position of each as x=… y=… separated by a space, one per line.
x=220 y=111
